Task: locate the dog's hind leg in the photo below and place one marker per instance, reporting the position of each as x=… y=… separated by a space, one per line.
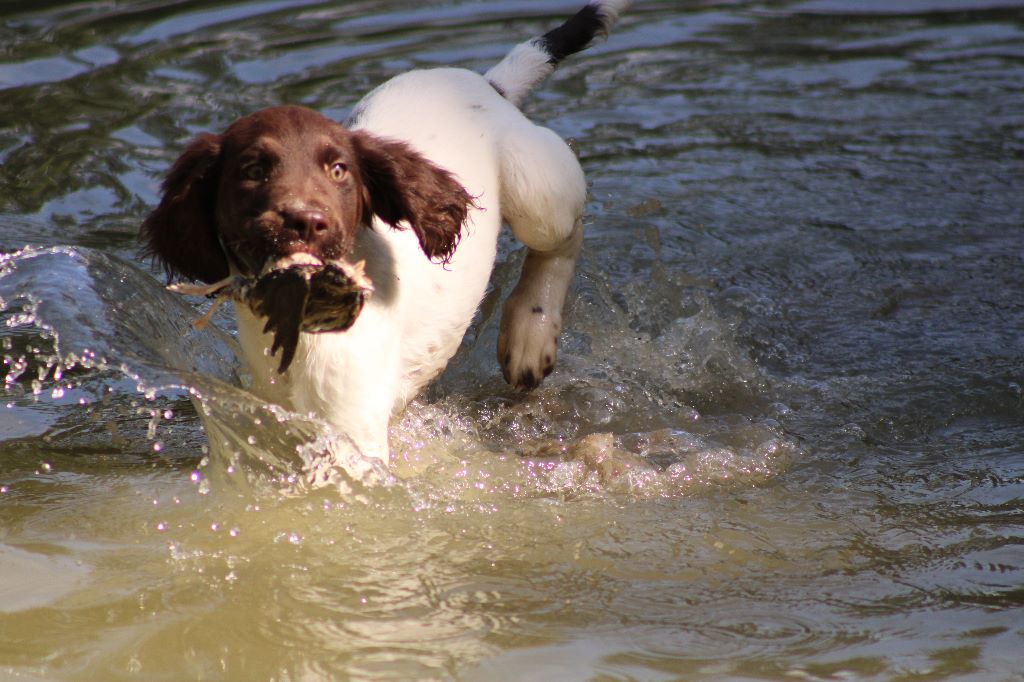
x=542 y=196
x=542 y=200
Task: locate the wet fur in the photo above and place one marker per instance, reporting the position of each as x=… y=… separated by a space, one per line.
x=422 y=200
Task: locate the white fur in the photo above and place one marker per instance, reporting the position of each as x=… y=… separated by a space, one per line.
x=523 y=68
x=415 y=320
x=528 y=64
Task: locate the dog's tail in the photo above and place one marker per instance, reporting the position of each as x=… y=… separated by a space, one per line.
x=529 y=63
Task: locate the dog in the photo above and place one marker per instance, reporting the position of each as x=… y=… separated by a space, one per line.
x=416 y=184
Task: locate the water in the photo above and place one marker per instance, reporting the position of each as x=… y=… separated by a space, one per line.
x=783 y=441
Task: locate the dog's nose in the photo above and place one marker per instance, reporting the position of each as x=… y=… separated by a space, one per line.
x=310 y=223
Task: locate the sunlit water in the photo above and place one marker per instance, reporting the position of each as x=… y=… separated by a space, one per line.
x=785 y=439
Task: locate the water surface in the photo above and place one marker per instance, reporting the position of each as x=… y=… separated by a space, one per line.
x=784 y=440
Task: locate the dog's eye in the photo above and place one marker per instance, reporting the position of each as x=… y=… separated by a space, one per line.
x=255 y=172
x=337 y=171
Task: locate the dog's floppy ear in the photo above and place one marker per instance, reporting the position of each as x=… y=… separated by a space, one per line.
x=401 y=184
x=181 y=232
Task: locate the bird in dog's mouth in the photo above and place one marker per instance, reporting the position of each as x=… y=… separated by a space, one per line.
x=296 y=293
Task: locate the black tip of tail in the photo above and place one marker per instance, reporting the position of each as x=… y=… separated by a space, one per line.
x=574 y=35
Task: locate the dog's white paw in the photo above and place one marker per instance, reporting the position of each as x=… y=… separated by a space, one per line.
x=528 y=342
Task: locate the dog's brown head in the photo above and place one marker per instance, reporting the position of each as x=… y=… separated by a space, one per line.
x=286 y=180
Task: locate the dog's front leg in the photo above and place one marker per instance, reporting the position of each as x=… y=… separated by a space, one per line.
x=532 y=318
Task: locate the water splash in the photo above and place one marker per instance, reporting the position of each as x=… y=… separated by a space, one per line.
x=85 y=325
x=644 y=403
x=624 y=415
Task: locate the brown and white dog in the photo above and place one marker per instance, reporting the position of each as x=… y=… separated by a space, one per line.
x=416 y=184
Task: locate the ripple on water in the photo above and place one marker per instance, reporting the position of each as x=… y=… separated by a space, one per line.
x=782 y=440
x=35 y=579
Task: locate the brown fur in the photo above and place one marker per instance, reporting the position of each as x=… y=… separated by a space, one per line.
x=287 y=179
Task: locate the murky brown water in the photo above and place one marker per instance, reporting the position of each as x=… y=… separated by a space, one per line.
x=799 y=315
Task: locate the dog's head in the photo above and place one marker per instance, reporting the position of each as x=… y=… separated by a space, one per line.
x=288 y=180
